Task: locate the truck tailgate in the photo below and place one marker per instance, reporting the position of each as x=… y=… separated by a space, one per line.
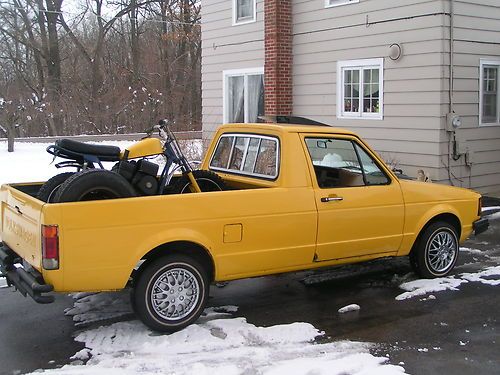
x=20 y=224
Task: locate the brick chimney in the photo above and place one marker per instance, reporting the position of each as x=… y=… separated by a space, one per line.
x=278 y=57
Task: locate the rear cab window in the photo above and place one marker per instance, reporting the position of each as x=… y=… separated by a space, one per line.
x=247 y=154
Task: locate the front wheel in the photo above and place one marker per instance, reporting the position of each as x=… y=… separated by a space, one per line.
x=171 y=293
x=436 y=251
x=207 y=181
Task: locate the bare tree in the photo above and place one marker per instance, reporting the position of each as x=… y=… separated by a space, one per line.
x=105 y=66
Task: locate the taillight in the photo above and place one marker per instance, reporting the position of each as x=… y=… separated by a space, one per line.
x=480 y=206
x=50 y=247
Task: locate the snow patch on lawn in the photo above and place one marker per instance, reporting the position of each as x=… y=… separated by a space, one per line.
x=30 y=162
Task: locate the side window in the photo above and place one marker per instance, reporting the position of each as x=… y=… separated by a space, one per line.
x=247 y=154
x=373 y=173
x=343 y=163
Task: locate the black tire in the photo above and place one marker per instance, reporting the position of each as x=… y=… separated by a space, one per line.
x=207 y=181
x=183 y=280
x=436 y=251
x=94 y=184
x=49 y=189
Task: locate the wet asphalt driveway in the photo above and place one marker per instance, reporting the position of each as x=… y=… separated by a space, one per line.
x=455 y=333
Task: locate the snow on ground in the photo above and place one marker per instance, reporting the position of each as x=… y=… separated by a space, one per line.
x=31 y=162
x=349 y=308
x=95 y=307
x=490 y=208
x=489 y=275
x=217 y=343
x=425 y=286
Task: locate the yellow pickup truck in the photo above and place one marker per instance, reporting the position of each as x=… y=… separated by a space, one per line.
x=298 y=197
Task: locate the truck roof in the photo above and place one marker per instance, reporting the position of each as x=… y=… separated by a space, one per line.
x=287 y=128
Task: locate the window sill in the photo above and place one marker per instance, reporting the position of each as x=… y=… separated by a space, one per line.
x=244 y=22
x=488 y=124
x=328 y=5
x=344 y=117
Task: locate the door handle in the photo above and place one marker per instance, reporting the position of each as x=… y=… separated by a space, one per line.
x=330 y=199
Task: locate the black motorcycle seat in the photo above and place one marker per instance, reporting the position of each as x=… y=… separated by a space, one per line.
x=103 y=152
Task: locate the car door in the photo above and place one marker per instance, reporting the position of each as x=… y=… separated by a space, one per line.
x=360 y=204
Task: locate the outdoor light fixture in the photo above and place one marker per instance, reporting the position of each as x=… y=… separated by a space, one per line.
x=395 y=51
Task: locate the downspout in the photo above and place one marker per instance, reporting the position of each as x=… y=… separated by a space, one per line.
x=452 y=53
x=452 y=154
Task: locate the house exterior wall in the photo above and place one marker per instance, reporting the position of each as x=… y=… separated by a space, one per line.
x=225 y=47
x=415 y=86
x=412 y=133
x=477 y=36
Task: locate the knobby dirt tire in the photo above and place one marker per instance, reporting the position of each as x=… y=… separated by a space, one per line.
x=207 y=181
x=49 y=189
x=94 y=184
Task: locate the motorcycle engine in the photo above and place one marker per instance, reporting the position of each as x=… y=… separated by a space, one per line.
x=141 y=174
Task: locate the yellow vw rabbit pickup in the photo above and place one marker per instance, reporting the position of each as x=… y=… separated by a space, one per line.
x=297 y=197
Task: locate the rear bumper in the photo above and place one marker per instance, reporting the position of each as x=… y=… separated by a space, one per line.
x=481 y=225
x=28 y=283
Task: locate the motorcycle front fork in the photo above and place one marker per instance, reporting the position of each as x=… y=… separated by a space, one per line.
x=194 y=187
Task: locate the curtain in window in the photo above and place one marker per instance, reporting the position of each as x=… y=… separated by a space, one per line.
x=236 y=99
x=371 y=90
x=255 y=97
x=490 y=94
x=244 y=9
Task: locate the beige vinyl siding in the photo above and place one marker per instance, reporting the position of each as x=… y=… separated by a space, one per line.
x=225 y=47
x=412 y=133
x=477 y=36
x=415 y=87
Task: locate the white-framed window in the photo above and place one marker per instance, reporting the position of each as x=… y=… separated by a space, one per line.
x=244 y=11
x=360 y=89
x=243 y=95
x=336 y=3
x=489 y=92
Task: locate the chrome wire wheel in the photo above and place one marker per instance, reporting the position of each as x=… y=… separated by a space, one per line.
x=441 y=251
x=175 y=294
x=171 y=291
x=436 y=250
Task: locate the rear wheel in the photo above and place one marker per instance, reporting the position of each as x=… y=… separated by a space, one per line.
x=436 y=252
x=171 y=293
x=207 y=181
x=94 y=184
x=49 y=189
